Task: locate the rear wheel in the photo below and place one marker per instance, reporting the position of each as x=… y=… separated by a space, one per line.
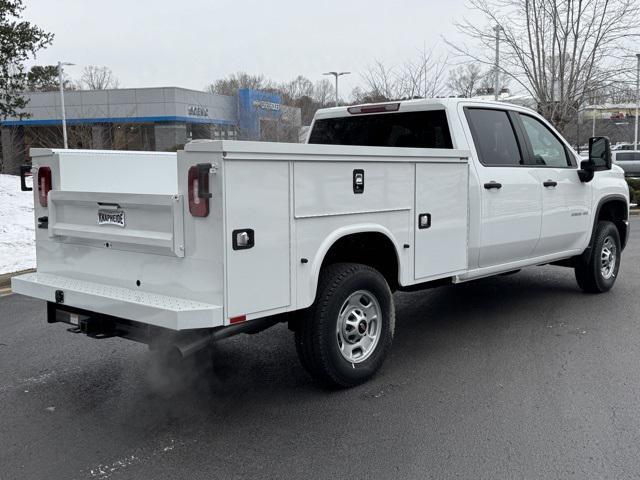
x=598 y=272
x=344 y=337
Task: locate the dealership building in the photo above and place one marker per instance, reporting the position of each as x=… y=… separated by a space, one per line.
x=157 y=119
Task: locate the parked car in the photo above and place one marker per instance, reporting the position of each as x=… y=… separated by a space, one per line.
x=629 y=161
x=625 y=146
x=226 y=237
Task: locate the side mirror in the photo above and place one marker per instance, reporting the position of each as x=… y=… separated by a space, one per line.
x=586 y=171
x=600 y=153
x=599 y=158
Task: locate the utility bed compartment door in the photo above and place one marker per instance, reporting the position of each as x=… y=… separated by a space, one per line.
x=257 y=201
x=150 y=223
x=441 y=219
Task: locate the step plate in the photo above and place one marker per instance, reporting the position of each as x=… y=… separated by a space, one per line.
x=144 y=307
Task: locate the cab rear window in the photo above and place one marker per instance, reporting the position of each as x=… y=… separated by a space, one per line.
x=425 y=129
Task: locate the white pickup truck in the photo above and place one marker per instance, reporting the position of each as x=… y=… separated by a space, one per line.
x=180 y=250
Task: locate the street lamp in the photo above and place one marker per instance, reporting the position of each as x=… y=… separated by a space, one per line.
x=635 y=138
x=336 y=74
x=496 y=86
x=64 y=117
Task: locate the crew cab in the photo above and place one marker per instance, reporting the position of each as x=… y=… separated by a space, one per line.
x=179 y=250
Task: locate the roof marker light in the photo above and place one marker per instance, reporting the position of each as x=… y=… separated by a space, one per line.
x=386 y=107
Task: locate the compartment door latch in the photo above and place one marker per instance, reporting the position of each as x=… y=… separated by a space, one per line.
x=358 y=180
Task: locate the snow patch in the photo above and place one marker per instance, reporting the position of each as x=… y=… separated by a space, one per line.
x=17 y=232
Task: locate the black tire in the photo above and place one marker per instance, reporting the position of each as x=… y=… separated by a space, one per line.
x=317 y=340
x=589 y=273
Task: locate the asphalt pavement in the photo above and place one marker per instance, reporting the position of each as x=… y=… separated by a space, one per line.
x=514 y=377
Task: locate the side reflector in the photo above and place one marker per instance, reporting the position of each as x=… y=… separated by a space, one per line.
x=44 y=184
x=198 y=206
x=239 y=319
x=387 y=107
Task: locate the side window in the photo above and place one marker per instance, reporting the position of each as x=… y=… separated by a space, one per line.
x=627 y=156
x=494 y=137
x=547 y=149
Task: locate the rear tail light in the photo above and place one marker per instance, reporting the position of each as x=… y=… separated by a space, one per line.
x=44 y=184
x=199 y=195
x=386 y=107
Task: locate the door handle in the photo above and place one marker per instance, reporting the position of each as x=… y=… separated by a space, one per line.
x=492 y=184
x=550 y=183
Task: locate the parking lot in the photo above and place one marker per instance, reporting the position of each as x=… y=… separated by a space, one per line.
x=520 y=376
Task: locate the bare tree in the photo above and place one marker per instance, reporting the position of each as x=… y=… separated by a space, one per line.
x=303 y=94
x=234 y=82
x=297 y=88
x=97 y=78
x=488 y=82
x=554 y=50
x=359 y=95
x=424 y=75
x=620 y=91
x=465 y=80
x=14 y=151
x=381 y=81
x=420 y=77
x=323 y=92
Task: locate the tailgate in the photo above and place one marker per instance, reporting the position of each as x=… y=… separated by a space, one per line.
x=123 y=221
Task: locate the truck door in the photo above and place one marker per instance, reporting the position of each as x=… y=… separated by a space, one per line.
x=510 y=191
x=565 y=199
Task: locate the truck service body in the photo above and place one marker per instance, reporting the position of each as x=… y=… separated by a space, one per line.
x=181 y=249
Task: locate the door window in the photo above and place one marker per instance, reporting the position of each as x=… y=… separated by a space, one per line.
x=494 y=137
x=547 y=149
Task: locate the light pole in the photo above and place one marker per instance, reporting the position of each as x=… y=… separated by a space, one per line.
x=336 y=74
x=496 y=86
x=64 y=117
x=635 y=138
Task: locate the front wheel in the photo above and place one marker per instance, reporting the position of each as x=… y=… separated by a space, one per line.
x=598 y=272
x=344 y=337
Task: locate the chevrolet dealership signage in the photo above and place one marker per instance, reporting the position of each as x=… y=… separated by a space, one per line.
x=255 y=106
x=197 y=111
x=264 y=105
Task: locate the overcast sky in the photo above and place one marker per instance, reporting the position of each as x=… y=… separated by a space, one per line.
x=190 y=43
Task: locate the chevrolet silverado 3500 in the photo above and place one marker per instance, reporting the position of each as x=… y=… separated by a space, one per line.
x=224 y=237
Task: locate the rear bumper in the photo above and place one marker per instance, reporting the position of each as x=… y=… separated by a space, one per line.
x=147 y=308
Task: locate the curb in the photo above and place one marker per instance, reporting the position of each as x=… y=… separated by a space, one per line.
x=634 y=212
x=5 y=278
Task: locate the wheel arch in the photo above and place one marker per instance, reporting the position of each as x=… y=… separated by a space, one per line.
x=614 y=208
x=340 y=246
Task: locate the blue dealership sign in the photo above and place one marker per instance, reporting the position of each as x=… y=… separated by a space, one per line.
x=253 y=106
